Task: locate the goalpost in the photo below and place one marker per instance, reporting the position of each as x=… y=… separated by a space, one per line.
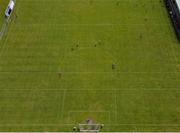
x=88 y=126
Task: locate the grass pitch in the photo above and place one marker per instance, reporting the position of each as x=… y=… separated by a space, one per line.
x=63 y=61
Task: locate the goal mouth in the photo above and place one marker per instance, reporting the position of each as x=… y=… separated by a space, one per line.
x=88 y=126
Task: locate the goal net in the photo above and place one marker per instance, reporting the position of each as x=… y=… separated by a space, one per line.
x=89 y=126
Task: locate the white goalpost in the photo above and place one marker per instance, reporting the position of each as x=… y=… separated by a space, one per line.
x=88 y=126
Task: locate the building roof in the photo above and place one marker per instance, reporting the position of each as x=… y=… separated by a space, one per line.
x=178 y=4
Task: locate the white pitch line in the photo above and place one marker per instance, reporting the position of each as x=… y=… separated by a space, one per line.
x=94 y=24
x=3 y=47
x=4 y=44
x=113 y=89
x=150 y=1
x=3 y=29
x=91 y=111
x=86 y=72
x=43 y=124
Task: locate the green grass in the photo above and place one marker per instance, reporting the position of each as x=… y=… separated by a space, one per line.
x=56 y=66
